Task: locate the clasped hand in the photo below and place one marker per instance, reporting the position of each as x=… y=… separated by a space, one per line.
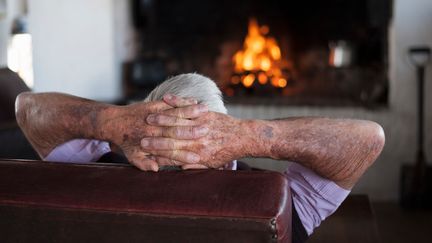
x=178 y=131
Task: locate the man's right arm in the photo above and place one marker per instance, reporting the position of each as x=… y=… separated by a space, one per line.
x=50 y=119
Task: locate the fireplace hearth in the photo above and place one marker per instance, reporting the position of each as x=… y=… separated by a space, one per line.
x=331 y=52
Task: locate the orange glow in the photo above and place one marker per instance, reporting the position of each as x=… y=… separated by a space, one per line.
x=262 y=78
x=275 y=81
x=264 y=29
x=248 y=80
x=235 y=79
x=274 y=49
x=282 y=83
x=259 y=54
x=265 y=64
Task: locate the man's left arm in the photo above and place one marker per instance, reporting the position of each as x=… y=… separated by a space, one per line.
x=337 y=149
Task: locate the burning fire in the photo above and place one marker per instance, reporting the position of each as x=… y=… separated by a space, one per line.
x=260 y=60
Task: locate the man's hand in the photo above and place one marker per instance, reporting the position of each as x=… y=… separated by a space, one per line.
x=225 y=141
x=126 y=126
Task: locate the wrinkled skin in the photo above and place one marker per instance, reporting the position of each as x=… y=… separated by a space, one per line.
x=338 y=149
x=178 y=131
x=127 y=126
x=50 y=119
x=221 y=145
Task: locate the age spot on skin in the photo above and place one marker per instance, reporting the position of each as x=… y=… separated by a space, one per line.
x=268 y=132
x=125 y=137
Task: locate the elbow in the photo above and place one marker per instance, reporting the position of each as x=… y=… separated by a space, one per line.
x=370 y=143
x=378 y=136
x=22 y=103
x=375 y=141
x=379 y=131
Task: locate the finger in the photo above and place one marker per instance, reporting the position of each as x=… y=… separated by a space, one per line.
x=161 y=143
x=183 y=156
x=142 y=162
x=181 y=132
x=186 y=132
x=189 y=112
x=167 y=120
x=194 y=167
x=157 y=106
x=146 y=165
x=176 y=101
x=161 y=161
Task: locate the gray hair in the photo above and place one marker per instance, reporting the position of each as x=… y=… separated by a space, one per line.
x=191 y=85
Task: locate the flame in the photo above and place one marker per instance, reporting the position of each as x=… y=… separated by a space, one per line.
x=262 y=78
x=248 y=80
x=260 y=55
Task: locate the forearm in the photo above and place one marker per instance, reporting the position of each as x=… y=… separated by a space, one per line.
x=50 y=119
x=338 y=149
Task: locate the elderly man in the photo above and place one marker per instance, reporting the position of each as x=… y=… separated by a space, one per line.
x=329 y=155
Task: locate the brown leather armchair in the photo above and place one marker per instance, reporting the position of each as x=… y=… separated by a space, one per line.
x=55 y=202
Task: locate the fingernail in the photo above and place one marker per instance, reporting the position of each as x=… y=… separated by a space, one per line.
x=151 y=118
x=155 y=168
x=169 y=96
x=193 y=158
x=145 y=143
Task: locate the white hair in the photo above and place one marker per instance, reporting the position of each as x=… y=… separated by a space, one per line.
x=191 y=85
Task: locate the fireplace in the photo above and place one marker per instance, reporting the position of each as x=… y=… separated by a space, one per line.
x=326 y=52
x=259 y=65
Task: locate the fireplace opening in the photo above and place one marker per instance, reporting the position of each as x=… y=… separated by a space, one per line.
x=259 y=64
x=331 y=52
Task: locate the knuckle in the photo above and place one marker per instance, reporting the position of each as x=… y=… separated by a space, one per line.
x=152 y=131
x=179 y=132
x=199 y=131
x=168 y=120
x=191 y=131
x=180 y=114
x=176 y=120
x=168 y=132
x=154 y=105
x=171 y=144
x=195 y=131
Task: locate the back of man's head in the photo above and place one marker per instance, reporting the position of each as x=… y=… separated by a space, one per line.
x=191 y=85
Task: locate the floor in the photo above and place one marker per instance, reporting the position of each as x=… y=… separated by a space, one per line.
x=396 y=225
